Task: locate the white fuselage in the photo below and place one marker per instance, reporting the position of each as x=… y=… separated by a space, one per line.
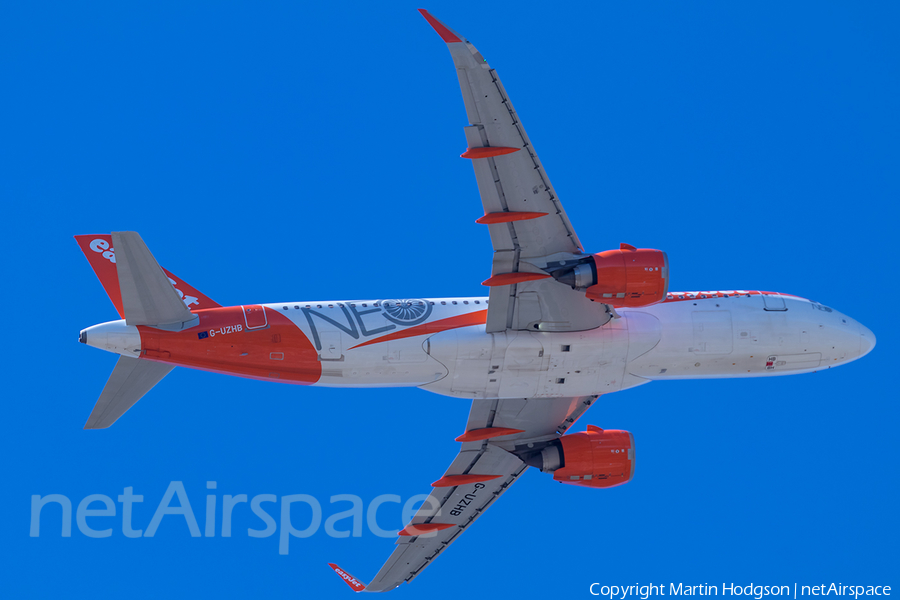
x=441 y=344
x=691 y=336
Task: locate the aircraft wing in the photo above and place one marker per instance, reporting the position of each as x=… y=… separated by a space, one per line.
x=529 y=229
x=475 y=479
x=489 y=461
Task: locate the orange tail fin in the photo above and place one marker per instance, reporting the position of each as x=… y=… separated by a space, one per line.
x=102 y=256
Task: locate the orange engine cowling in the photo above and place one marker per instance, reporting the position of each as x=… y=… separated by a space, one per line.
x=593 y=458
x=628 y=277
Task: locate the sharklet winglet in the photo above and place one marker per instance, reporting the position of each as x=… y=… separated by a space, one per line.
x=447 y=34
x=355 y=584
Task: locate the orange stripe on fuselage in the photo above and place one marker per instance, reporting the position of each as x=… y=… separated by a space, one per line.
x=222 y=343
x=473 y=318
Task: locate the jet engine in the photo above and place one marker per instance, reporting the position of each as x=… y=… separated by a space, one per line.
x=627 y=277
x=594 y=458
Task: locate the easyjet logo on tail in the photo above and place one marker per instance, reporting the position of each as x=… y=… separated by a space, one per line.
x=188 y=300
x=102 y=247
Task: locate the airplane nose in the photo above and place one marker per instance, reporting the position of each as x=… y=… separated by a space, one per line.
x=867 y=340
x=82 y=337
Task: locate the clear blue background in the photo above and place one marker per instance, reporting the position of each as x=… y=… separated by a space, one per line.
x=288 y=151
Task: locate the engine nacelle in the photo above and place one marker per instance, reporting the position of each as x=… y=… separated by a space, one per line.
x=628 y=277
x=593 y=458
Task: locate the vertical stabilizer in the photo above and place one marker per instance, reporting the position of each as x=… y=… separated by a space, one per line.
x=100 y=251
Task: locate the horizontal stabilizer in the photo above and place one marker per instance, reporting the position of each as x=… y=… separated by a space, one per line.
x=148 y=297
x=101 y=254
x=130 y=380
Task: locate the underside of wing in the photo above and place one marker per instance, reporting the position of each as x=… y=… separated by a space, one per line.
x=501 y=435
x=540 y=280
x=475 y=479
x=528 y=226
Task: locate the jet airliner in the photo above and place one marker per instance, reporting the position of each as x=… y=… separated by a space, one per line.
x=559 y=327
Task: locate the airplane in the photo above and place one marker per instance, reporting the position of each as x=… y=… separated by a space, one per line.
x=559 y=328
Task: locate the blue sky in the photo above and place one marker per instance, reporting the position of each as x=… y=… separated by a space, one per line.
x=286 y=152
